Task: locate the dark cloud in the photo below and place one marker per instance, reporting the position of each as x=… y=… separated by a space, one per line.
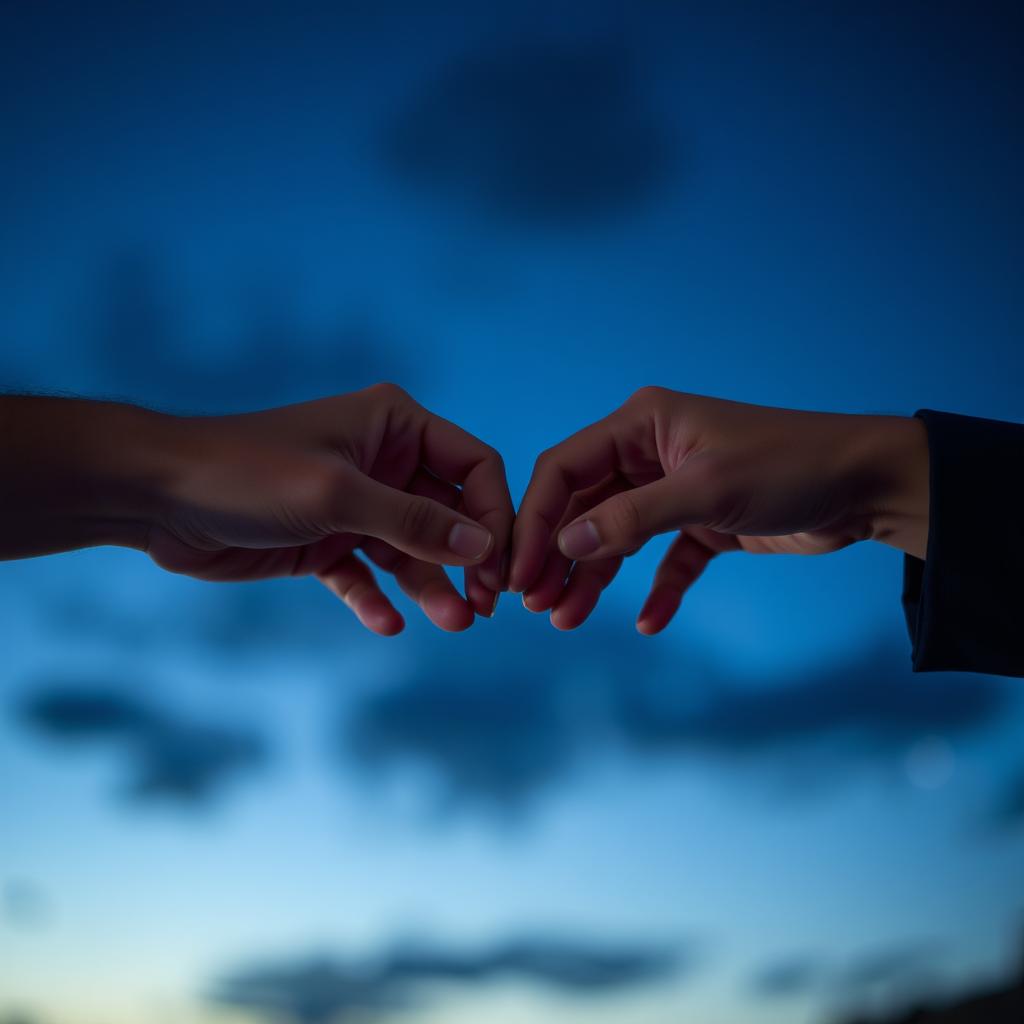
x=887 y=967
x=317 y=991
x=869 y=706
x=548 y=134
x=490 y=741
x=511 y=713
x=322 y=990
x=168 y=757
x=791 y=977
x=494 y=716
x=884 y=972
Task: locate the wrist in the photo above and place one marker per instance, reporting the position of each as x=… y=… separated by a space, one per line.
x=132 y=458
x=80 y=473
x=891 y=474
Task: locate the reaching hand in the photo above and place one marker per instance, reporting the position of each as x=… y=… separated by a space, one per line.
x=303 y=489
x=727 y=477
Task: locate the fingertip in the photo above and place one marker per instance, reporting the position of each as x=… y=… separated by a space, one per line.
x=482 y=599
x=449 y=612
x=646 y=626
x=563 y=622
x=526 y=563
x=490 y=573
x=516 y=582
x=383 y=621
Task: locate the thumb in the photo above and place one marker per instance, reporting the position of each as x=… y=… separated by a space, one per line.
x=419 y=526
x=627 y=520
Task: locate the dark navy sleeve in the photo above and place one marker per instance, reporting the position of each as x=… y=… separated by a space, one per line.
x=965 y=602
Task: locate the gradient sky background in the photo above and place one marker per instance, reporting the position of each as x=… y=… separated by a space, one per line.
x=521 y=213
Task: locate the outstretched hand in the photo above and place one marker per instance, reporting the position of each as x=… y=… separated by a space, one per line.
x=723 y=476
x=308 y=489
x=331 y=487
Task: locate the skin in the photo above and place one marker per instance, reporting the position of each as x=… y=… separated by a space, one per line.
x=324 y=488
x=722 y=476
x=331 y=487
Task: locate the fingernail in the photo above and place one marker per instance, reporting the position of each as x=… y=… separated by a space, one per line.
x=494 y=604
x=468 y=540
x=579 y=539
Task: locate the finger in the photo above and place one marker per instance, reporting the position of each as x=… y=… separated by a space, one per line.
x=481 y=597
x=455 y=455
x=419 y=526
x=684 y=562
x=582 y=592
x=548 y=586
x=579 y=462
x=351 y=579
x=546 y=589
x=690 y=495
x=425 y=484
x=426 y=584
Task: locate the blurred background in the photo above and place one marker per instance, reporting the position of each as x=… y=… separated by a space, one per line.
x=230 y=805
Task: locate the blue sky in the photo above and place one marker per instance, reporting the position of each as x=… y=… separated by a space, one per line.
x=521 y=215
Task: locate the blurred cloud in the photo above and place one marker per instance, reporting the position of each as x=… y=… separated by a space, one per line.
x=544 y=133
x=883 y=977
x=323 y=989
x=889 y=966
x=497 y=721
x=169 y=758
x=870 y=706
x=792 y=977
x=517 y=711
x=490 y=742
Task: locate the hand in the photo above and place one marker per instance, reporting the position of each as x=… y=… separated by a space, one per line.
x=727 y=477
x=302 y=489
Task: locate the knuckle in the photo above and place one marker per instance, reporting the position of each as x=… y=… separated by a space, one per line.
x=494 y=457
x=649 y=394
x=418 y=518
x=389 y=391
x=549 y=458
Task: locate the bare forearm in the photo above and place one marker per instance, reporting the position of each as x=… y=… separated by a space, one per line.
x=77 y=473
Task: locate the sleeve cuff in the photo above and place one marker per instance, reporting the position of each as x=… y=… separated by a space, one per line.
x=963 y=604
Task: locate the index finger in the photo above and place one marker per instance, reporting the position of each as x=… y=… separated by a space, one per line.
x=455 y=455
x=582 y=460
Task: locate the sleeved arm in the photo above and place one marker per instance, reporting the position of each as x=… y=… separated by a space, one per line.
x=965 y=602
